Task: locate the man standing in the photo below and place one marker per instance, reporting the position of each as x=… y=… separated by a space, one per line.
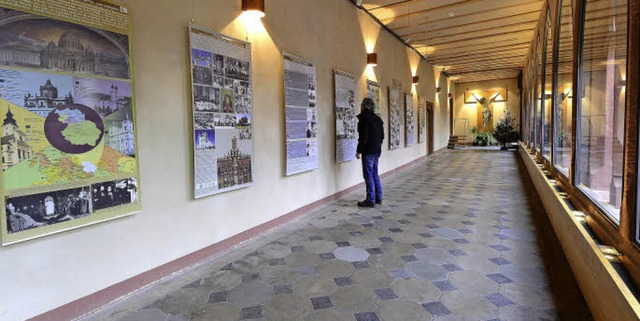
x=371 y=135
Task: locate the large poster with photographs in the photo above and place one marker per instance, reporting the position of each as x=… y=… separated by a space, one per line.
x=422 y=119
x=67 y=111
x=409 y=121
x=300 y=112
x=395 y=114
x=374 y=92
x=346 y=125
x=222 y=112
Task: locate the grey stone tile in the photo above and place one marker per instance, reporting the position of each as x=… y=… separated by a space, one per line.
x=444 y=285
x=366 y=316
x=250 y=313
x=436 y=308
x=499 y=278
x=283 y=289
x=500 y=261
x=360 y=264
x=385 y=294
x=498 y=299
x=343 y=281
x=351 y=254
x=321 y=303
x=218 y=297
x=251 y=294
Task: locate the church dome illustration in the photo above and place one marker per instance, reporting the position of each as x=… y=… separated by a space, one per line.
x=71 y=40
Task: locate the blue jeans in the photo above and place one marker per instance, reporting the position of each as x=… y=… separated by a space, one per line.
x=371 y=178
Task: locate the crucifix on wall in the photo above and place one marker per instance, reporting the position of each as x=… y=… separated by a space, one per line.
x=484 y=101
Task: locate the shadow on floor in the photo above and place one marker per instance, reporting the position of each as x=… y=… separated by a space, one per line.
x=566 y=293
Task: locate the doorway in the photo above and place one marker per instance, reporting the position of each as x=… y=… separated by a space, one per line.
x=429 y=128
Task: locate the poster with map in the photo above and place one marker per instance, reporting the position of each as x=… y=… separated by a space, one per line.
x=422 y=119
x=395 y=114
x=409 y=121
x=373 y=92
x=222 y=112
x=68 y=116
x=300 y=114
x=346 y=123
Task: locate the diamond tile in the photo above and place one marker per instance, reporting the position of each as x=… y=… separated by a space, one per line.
x=283 y=289
x=500 y=247
x=499 y=278
x=366 y=316
x=252 y=313
x=343 y=281
x=385 y=239
x=451 y=267
x=499 y=261
x=444 y=285
x=321 y=303
x=385 y=294
x=499 y=300
x=436 y=309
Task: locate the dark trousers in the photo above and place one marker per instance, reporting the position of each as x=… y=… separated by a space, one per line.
x=371 y=178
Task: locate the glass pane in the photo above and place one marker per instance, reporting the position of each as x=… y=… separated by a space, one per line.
x=564 y=90
x=548 y=84
x=538 y=98
x=603 y=103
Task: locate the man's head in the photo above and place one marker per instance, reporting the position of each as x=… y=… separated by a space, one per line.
x=367 y=104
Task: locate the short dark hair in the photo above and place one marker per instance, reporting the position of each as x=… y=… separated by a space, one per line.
x=368 y=103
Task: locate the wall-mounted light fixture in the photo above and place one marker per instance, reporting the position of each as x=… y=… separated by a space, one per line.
x=438 y=90
x=416 y=80
x=253 y=7
x=450 y=95
x=372 y=59
x=622 y=83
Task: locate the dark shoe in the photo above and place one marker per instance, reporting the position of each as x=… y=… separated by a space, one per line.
x=378 y=201
x=366 y=203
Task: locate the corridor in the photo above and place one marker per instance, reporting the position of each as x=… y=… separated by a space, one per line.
x=457 y=238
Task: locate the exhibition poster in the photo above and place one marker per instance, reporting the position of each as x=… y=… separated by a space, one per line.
x=346 y=140
x=395 y=114
x=300 y=114
x=373 y=92
x=422 y=119
x=409 y=121
x=222 y=112
x=69 y=149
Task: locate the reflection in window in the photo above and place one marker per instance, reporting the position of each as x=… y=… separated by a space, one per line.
x=603 y=103
x=538 y=97
x=546 y=94
x=564 y=90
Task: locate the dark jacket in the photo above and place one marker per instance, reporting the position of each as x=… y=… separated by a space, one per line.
x=371 y=133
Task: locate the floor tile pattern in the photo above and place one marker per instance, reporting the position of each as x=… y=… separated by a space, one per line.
x=453 y=240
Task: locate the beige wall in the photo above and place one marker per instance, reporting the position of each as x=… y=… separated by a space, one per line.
x=45 y=273
x=470 y=111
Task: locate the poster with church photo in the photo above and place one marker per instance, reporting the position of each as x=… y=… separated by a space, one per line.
x=222 y=114
x=409 y=121
x=346 y=123
x=395 y=114
x=66 y=106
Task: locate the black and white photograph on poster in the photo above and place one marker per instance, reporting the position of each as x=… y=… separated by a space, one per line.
x=228 y=166
x=205 y=139
x=201 y=62
x=395 y=115
x=204 y=120
x=346 y=125
x=114 y=193
x=311 y=149
x=409 y=121
x=32 y=211
x=243 y=121
x=226 y=101
x=234 y=164
x=224 y=120
x=246 y=134
x=311 y=115
x=218 y=82
x=228 y=83
x=242 y=97
x=312 y=91
x=373 y=92
x=206 y=98
x=312 y=129
x=236 y=69
x=218 y=65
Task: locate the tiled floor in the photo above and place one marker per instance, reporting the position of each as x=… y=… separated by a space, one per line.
x=454 y=240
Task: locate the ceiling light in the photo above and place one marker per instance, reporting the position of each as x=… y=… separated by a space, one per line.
x=253 y=7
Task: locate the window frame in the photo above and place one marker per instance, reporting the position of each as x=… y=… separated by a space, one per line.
x=555 y=81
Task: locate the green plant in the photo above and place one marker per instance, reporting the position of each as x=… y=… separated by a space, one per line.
x=506 y=130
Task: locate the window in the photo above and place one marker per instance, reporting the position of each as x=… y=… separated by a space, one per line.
x=538 y=95
x=564 y=89
x=602 y=104
x=546 y=93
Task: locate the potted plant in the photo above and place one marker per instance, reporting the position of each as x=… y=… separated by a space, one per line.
x=480 y=138
x=506 y=131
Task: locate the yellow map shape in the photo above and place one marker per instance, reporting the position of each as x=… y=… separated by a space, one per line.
x=84 y=132
x=37 y=139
